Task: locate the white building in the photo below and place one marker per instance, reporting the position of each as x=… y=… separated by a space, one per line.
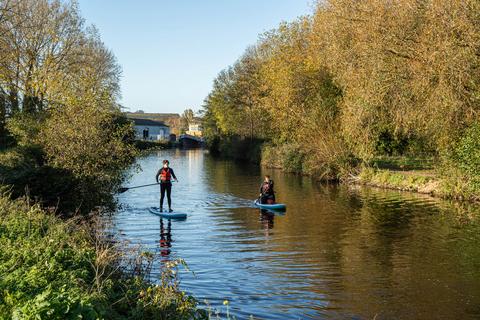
x=151 y=130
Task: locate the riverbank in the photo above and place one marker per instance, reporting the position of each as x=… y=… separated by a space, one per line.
x=413 y=174
x=143 y=145
x=57 y=269
x=421 y=181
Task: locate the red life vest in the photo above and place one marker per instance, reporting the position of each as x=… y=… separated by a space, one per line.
x=266 y=188
x=165 y=175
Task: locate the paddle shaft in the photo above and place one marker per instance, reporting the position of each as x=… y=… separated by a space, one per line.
x=121 y=190
x=145 y=185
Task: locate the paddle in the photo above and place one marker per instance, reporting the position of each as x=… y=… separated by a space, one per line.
x=122 y=190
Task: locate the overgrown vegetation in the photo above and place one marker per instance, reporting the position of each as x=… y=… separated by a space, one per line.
x=356 y=81
x=406 y=181
x=68 y=141
x=148 y=145
x=56 y=269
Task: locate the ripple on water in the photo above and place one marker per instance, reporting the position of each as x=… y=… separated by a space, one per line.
x=337 y=253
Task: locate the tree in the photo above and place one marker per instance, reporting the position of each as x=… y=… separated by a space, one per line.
x=335 y=85
x=187 y=119
x=59 y=87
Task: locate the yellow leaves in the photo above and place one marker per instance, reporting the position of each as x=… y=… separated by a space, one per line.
x=82 y=137
x=362 y=67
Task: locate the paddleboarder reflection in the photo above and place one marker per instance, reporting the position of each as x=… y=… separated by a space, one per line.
x=266 y=218
x=165 y=238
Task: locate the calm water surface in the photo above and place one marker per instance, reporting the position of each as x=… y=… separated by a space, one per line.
x=338 y=252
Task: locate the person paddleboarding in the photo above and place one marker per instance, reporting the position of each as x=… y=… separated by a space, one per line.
x=267 y=194
x=166 y=174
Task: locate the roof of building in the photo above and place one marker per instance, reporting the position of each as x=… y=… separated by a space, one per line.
x=148 y=115
x=148 y=122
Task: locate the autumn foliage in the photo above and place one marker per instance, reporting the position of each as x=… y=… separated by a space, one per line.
x=354 y=80
x=59 y=87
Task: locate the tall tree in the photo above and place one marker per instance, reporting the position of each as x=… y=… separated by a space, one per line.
x=187 y=119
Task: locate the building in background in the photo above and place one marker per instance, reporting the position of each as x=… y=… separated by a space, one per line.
x=172 y=120
x=146 y=129
x=195 y=129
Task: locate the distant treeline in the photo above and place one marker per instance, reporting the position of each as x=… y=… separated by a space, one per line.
x=65 y=140
x=327 y=93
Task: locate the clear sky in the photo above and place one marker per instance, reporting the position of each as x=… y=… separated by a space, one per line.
x=171 y=50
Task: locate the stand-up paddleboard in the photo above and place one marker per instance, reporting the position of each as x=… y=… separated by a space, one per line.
x=275 y=206
x=167 y=215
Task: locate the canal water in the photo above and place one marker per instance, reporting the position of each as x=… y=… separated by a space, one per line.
x=338 y=252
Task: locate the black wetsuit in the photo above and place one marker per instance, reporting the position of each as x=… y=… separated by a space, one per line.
x=267 y=192
x=165 y=186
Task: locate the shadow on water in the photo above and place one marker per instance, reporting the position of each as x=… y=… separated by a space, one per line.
x=340 y=251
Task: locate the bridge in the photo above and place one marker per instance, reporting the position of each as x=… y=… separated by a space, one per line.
x=189 y=141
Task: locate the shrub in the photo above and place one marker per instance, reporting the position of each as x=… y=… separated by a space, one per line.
x=93 y=143
x=466 y=154
x=56 y=269
x=147 y=145
x=236 y=147
x=461 y=166
x=287 y=157
x=25 y=127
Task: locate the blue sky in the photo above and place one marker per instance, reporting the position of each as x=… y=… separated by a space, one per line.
x=170 y=51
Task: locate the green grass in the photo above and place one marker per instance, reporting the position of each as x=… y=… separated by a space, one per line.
x=452 y=184
x=62 y=269
x=395 y=179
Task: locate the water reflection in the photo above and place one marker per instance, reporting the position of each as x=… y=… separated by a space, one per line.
x=165 y=238
x=340 y=252
x=267 y=217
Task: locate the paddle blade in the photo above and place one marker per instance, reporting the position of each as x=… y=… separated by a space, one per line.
x=122 y=190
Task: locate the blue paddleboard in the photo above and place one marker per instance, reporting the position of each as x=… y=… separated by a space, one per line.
x=167 y=215
x=275 y=206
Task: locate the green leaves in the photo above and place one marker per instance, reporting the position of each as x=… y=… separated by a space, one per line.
x=466 y=154
x=47 y=271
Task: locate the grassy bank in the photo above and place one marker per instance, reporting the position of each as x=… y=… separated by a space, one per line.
x=416 y=181
x=56 y=269
x=414 y=174
x=456 y=187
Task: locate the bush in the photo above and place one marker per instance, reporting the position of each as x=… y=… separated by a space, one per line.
x=147 y=145
x=461 y=166
x=25 y=127
x=52 y=279
x=323 y=164
x=24 y=171
x=236 y=147
x=466 y=154
x=55 y=269
x=93 y=142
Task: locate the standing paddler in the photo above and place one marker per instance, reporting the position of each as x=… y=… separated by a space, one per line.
x=166 y=173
